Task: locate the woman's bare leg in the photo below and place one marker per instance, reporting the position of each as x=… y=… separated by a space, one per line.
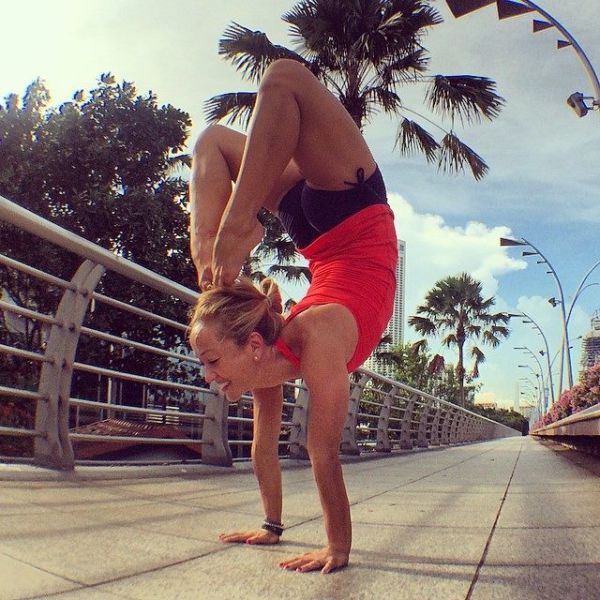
x=216 y=163
x=295 y=118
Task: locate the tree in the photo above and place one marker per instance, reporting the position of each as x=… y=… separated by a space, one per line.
x=365 y=51
x=104 y=166
x=455 y=308
x=412 y=364
x=415 y=366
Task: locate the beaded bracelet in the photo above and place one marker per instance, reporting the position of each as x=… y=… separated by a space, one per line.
x=273 y=527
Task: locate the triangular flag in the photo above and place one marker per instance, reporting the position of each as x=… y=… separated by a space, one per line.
x=507 y=8
x=541 y=25
x=562 y=44
x=464 y=7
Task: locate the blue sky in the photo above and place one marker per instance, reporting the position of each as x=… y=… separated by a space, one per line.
x=544 y=181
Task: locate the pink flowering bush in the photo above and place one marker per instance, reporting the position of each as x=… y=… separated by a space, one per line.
x=582 y=395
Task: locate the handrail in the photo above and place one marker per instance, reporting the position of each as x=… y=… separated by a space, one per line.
x=418 y=418
x=583 y=423
x=32 y=223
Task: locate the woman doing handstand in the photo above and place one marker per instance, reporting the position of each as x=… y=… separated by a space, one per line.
x=305 y=160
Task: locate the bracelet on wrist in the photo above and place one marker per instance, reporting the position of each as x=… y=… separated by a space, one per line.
x=273 y=527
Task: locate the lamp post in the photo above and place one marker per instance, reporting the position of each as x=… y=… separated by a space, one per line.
x=512 y=8
x=544 y=383
x=538 y=387
x=565 y=332
x=529 y=320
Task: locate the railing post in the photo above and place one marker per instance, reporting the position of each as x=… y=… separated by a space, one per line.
x=461 y=425
x=435 y=424
x=215 y=435
x=53 y=447
x=446 y=422
x=455 y=416
x=422 y=433
x=406 y=424
x=298 y=433
x=349 y=445
x=383 y=443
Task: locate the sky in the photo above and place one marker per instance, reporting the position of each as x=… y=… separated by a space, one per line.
x=543 y=184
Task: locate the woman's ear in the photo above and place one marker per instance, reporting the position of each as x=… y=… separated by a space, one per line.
x=256 y=343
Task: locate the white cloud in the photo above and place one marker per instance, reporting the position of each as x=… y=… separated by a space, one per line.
x=435 y=250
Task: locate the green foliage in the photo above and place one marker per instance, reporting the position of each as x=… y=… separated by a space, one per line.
x=507 y=417
x=365 y=53
x=455 y=308
x=582 y=395
x=104 y=166
x=415 y=366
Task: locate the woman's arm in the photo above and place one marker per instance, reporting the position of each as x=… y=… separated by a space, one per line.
x=327 y=345
x=268 y=403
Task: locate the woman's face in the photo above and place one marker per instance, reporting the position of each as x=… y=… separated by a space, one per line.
x=231 y=367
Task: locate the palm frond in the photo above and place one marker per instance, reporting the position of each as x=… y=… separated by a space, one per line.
x=251 y=52
x=419 y=346
x=414 y=138
x=454 y=155
x=450 y=340
x=404 y=69
x=465 y=96
x=292 y=273
x=384 y=97
x=477 y=354
x=236 y=106
x=423 y=325
x=436 y=365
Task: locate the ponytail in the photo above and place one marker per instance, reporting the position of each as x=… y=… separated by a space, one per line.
x=239 y=310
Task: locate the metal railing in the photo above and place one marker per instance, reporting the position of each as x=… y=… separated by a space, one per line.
x=585 y=423
x=172 y=409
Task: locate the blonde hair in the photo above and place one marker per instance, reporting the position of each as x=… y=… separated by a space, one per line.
x=240 y=309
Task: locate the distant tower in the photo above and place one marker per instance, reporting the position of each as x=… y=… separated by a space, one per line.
x=591 y=344
x=395 y=328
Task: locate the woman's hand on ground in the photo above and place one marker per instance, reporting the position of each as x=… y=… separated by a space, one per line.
x=256 y=536
x=326 y=560
x=232 y=246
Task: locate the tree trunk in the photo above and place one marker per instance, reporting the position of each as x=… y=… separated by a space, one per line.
x=460 y=372
x=460 y=368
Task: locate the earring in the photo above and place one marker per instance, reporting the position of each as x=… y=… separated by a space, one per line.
x=255 y=357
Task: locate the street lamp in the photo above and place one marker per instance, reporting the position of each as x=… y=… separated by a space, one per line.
x=523 y=242
x=544 y=386
x=539 y=386
x=580 y=103
x=529 y=320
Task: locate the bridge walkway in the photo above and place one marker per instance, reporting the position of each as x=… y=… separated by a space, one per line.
x=511 y=518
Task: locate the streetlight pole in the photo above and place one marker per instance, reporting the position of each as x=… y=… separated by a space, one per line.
x=513 y=8
x=544 y=383
x=540 y=331
x=539 y=386
x=565 y=332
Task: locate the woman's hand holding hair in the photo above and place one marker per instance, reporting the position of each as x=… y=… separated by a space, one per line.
x=232 y=246
x=202 y=252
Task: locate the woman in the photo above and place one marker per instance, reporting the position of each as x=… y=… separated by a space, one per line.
x=305 y=160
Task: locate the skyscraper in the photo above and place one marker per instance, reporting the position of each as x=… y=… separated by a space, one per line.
x=591 y=344
x=395 y=328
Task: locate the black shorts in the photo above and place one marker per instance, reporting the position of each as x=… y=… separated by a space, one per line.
x=307 y=213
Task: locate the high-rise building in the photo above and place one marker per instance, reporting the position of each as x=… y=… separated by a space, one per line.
x=395 y=328
x=591 y=344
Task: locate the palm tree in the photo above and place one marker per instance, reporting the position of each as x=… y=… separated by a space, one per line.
x=364 y=51
x=455 y=308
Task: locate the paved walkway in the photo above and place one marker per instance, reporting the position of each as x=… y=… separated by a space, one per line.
x=504 y=519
